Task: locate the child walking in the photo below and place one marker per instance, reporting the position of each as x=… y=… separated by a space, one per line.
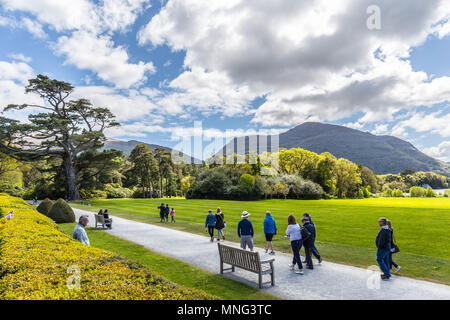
x=172 y=214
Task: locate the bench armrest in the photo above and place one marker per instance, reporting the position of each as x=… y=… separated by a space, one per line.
x=267 y=261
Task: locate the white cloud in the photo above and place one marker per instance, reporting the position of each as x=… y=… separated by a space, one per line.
x=381 y=129
x=15 y=71
x=436 y=122
x=89 y=46
x=311 y=60
x=34 y=28
x=20 y=57
x=98 y=54
x=13 y=77
x=442 y=151
x=127 y=105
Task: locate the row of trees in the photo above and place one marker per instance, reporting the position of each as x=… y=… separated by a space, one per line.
x=56 y=154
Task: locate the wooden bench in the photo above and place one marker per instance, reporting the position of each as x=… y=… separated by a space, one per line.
x=246 y=260
x=99 y=219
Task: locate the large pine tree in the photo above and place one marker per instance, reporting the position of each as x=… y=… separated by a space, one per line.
x=64 y=129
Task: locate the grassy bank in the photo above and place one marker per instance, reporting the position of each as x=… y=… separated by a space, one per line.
x=346 y=228
x=172 y=269
x=39 y=262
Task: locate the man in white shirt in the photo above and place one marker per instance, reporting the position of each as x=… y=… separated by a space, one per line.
x=79 y=233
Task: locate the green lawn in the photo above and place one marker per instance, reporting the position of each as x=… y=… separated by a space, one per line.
x=172 y=269
x=346 y=228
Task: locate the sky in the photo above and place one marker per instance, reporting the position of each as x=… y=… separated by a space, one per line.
x=239 y=66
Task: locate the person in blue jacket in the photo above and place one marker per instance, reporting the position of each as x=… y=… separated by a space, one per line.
x=210 y=224
x=270 y=229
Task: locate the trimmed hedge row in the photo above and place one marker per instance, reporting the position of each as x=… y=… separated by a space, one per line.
x=35 y=256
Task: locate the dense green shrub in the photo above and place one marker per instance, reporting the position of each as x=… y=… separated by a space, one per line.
x=293 y=187
x=93 y=194
x=61 y=212
x=45 y=206
x=115 y=192
x=417 y=192
x=12 y=190
x=28 y=194
x=430 y=193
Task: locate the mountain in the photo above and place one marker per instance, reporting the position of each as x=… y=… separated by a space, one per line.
x=382 y=154
x=127 y=146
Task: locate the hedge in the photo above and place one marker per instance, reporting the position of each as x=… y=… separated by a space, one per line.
x=35 y=256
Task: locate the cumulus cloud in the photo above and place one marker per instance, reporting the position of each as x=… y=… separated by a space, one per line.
x=436 y=122
x=98 y=53
x=90 y=25
x=311 y=60
x=13 y=78
x=20 y=57
x=442 y=151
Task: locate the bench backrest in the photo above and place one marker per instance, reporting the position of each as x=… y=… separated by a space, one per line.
x=99 y=218
x=244 y=259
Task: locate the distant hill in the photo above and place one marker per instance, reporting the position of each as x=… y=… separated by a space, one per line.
x=382 y=154
x=127 y=146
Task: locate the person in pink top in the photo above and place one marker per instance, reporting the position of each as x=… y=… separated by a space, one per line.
x=172 y=214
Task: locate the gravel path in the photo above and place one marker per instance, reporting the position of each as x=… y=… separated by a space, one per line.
x=326 y=281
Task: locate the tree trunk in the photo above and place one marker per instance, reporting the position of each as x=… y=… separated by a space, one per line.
x=71 y=178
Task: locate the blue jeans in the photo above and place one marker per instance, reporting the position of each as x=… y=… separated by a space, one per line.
x=384 y=261
x=315 y=252
x=391 y=262
x=220 y=232
x=296 y=246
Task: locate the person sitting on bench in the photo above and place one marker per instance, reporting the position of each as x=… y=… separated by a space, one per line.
x=108 y=220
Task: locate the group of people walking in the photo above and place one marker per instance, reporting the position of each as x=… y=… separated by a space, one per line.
x=165 y=211
x=385 y=248
x=299 y=236
x=215 y=222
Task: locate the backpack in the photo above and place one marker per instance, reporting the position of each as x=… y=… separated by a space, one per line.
x=305 y=234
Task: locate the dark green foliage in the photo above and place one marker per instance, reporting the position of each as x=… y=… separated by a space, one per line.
x=45 y=206
x=61 y=212
x=65 y=129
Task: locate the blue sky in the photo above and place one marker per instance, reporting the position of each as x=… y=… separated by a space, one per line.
x=239 y=66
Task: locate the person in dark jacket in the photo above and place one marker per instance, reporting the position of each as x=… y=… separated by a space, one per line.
x=108 y=220
x=245 y=231
x=315 y=252
x=391 y=261
x=210 y=224
x=162 y=210
x=383 y=243
x=308 y=243
x=270 y=229
x=166 y=213
x=220 y=224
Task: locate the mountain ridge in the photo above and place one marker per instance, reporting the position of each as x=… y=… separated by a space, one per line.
x=383 y=154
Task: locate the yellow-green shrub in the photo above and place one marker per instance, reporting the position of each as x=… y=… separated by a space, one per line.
x=35 y=256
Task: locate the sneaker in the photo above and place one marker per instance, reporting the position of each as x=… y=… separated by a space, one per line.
x=218 y=240
x=292 y=266
x=300 y=271
x=212 y=240
x=272 y=253
x=319 y=260
x=310 y=267
x=266 y=249
x=384 y=277
x=397 y=269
